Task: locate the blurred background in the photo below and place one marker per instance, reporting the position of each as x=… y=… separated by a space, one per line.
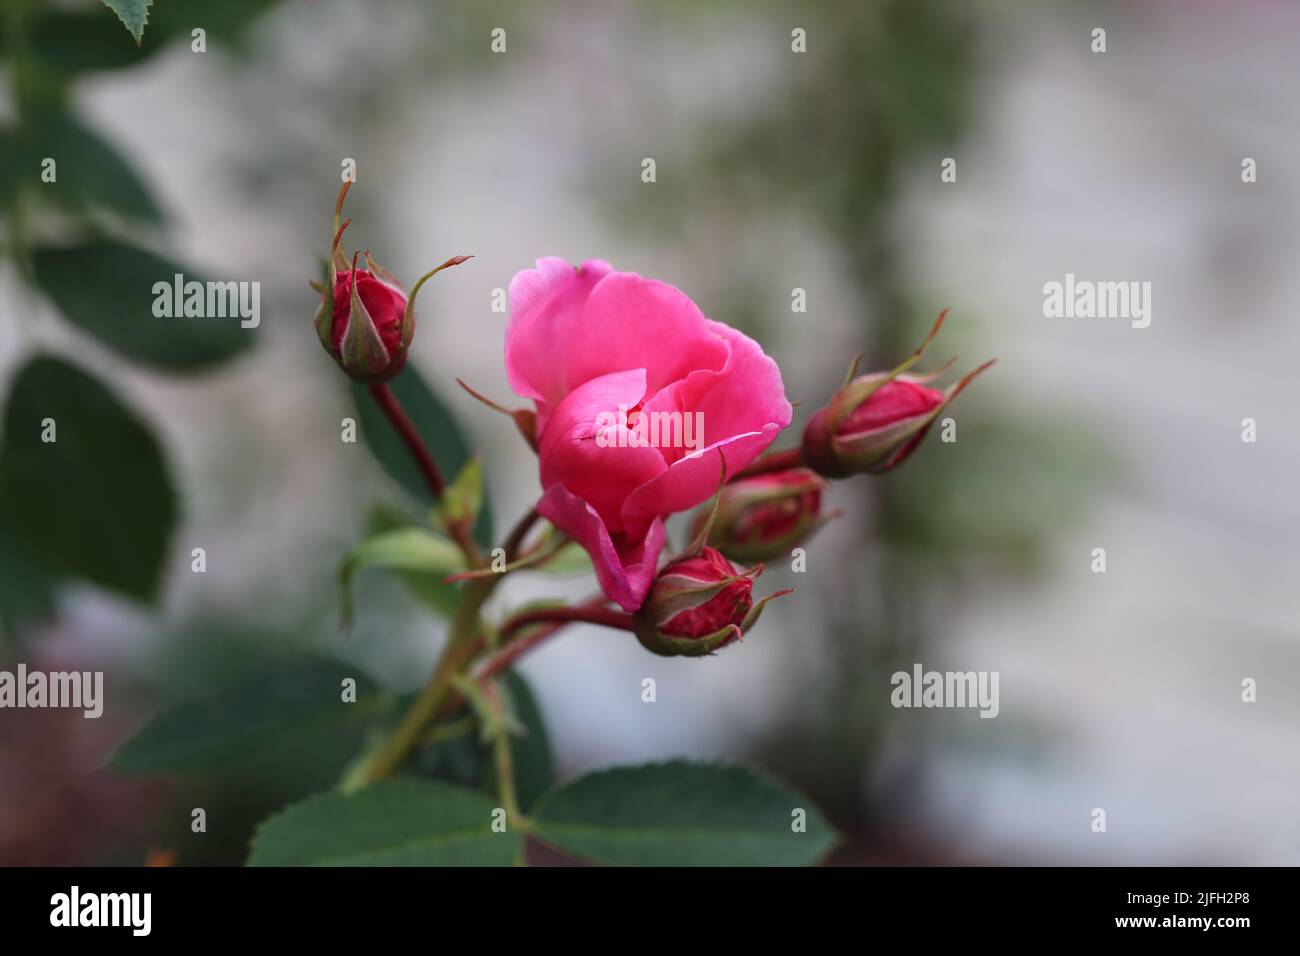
x=775 y=170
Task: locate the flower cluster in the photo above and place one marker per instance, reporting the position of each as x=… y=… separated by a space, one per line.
x=644 y=408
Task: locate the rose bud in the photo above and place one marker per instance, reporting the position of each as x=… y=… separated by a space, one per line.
x=765 y=516
x=698 y=604
x=874 y=422
x=368 y=328
x=365 y=320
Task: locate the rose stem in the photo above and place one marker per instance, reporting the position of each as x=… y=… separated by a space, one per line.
x=392 y=408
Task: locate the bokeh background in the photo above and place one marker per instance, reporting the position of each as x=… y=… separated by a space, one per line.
x=775 y=170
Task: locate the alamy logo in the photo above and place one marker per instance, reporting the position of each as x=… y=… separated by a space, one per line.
x=103 y=909
x=637 y=429
x=211 y=300
x=74 y=689
x=923 y=688
x=1084 y=299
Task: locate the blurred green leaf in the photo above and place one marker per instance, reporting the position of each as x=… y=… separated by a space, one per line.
x=682 y=814
x=134 y=14
x=438 y=597
x=98 y=502
x=90 y=171
x=68 y=42
x=229 y=21
x=413 y=550
x=26 y=587
x=400 y=822
x=106 y=288
x=242 y=719
x=463 y=499
x=436 y=426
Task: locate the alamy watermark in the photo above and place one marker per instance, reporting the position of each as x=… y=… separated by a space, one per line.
x=210 y=300
x=59 y=689
x=1084 y=299
x=922 y=688
x=637 y=429
x=130 y=910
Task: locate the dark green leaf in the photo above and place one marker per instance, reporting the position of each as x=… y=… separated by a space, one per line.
x=90 y=171
x=401 y=822
x=76 y=41
x=98 y=503
x=134 y=14
x=26 y=587
x=682 y=814
x=249 y=717
x=229 y=21
x=106 y=288
x=436 y=426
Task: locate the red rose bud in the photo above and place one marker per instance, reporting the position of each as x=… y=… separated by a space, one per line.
x=765 y=516
x=365 y=321
x=876 y=421
x=699 y=604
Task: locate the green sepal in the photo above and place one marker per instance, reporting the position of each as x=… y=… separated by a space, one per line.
x=858 y=390
x=408 y=318
x=666 y=645
x=363 y=353
x=702 y=533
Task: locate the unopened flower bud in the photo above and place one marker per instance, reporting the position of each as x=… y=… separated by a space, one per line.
x=698 y=604
x=365 y=320
x=875 y=422
x=765 y=516
x=366 y=325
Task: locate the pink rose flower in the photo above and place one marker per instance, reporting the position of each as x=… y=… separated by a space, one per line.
x=587 y=342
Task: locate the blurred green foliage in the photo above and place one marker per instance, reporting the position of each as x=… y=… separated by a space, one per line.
x=892 y=86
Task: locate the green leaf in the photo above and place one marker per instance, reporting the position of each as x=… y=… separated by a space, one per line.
x=106 y=288
x=400 y=822
x=682 y=814
x=530 y=751
x=463 y=498
x=242 y=719
x=71 y=42
x=436 y=426
x=438 y=597
x=134 y=14
x=90 y=170
x=26 y=588
x=403 y=549
x=98 y=502
x=230 y=21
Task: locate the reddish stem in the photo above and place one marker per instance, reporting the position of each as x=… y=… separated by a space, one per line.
x=776 y=461
x=556 y=618
x=386 y=400
x=516 y=537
